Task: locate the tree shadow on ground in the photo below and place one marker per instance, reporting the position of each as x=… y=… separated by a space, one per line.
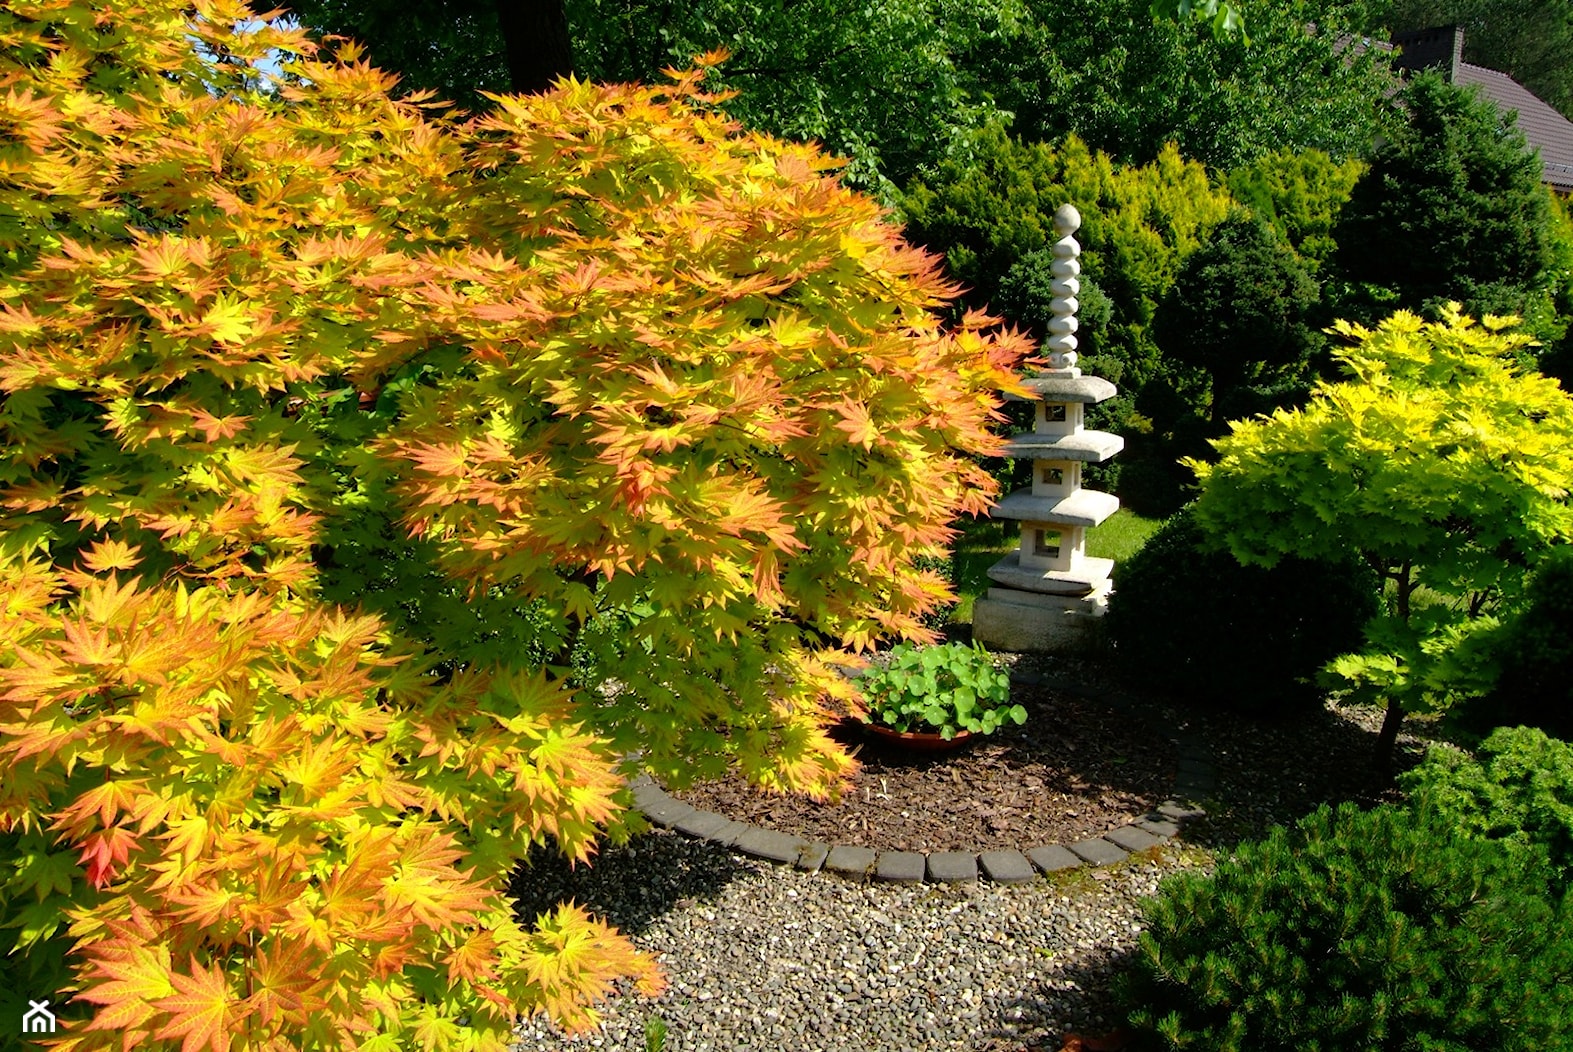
x=1077 y=768
x=1277 y=773
x=628 y=885
x=1075 y=998
x=1087 y=743
x=1273 y=768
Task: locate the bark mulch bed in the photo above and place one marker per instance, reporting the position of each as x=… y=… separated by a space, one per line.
x=1076 y=769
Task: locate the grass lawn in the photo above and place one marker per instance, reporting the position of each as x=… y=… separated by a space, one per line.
x=983 y=542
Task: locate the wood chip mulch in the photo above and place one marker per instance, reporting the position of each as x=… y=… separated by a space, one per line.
x=1076 y=769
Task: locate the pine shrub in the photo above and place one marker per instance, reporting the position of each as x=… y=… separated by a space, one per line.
x=1300 y=193
x=1383 y=929
x=994 y=209
x=1236 y=637
x=1517 y=788
x=1451 y=208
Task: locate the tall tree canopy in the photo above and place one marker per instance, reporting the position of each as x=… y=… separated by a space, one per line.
x=1126 y=86
x=878 y=83
x=458 y=48
x=897 y=85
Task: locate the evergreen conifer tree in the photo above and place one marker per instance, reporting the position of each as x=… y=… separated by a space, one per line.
x=1450 y=209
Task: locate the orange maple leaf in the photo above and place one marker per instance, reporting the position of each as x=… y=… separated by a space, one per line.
x=103 y=852
x=138 y=976
x=201 y=1007
x=286 y=981
x=107 y=800
x=857 y=423
x=111 y=554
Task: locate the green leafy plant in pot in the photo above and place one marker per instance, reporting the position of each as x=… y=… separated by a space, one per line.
x=946 y=690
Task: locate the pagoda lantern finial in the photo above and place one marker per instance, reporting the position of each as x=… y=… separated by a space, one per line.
x=1061 y=343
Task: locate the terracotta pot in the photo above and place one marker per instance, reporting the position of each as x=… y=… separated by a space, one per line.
x=918 y=741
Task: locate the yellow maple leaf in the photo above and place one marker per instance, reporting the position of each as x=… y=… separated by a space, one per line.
x=111 y=554
x=228 y=322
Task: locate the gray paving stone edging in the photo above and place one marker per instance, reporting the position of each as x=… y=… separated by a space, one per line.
x=1195 y=776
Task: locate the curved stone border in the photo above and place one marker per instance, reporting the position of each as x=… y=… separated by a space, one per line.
x=1195 y=778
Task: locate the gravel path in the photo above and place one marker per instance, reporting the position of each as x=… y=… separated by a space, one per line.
x=765 y=957
x=762 y=956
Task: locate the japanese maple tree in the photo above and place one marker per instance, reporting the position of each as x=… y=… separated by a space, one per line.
x=378 y=492
x=1441 y=462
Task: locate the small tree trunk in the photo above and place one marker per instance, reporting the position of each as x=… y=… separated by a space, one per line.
x=535 y=36
x=1387 y=739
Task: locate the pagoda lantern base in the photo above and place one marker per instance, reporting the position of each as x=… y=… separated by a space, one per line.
x=1020 y=622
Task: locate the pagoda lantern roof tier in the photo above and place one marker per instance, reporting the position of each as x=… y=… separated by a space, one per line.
x=1086 y=389
x=1089 y=446
x=1091 y=575
x=1085 y=507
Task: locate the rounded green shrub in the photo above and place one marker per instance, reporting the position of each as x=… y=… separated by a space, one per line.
x=1358 y=930
x=1026 y=294
x=1230 y=636
x=1241 y=310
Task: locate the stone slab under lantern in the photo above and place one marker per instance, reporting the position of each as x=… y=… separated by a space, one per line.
x=1085 y=508
x=1084 y=389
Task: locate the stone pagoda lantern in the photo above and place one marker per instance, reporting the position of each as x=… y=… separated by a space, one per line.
x=1048 y=593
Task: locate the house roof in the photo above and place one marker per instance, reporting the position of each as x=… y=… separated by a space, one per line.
x=1544 y=127
x=1442 y=47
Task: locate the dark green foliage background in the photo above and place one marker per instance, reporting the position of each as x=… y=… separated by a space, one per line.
x=1534 y=655
x=1104 y=70
x=897 y=86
